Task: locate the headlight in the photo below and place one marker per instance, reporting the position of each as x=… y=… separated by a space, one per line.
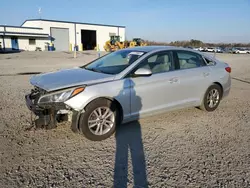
x=60 y=96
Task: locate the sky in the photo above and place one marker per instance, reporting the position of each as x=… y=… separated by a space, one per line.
x=158 y=20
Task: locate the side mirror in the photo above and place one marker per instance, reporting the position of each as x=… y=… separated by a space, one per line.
x=143 y=72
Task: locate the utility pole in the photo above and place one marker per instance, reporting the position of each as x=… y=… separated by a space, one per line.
x=40 y=12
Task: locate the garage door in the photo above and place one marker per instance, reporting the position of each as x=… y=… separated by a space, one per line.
x=60 y=38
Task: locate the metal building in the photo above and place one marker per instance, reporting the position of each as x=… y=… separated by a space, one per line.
x=86 y=36
x=22 y=38
x=63 y=35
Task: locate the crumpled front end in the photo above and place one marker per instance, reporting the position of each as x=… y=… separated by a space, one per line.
x=48 y=114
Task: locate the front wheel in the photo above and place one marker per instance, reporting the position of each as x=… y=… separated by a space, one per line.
x=99 y=120
x=212 y=98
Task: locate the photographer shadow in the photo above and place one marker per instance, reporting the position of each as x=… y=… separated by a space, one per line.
x=129 y=138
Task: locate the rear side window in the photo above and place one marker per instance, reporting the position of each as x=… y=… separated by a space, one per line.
x=188 y=60
x=209 y=61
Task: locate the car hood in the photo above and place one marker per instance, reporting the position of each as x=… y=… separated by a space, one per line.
x=68 y=78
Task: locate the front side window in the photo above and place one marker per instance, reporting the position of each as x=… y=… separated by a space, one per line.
x=189 y=60
x=158 y=63
x=114 y=62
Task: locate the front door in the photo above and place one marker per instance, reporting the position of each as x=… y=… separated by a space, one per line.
x=14 y=43
x=156 y=92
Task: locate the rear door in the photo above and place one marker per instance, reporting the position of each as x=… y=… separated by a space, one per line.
x=194 y=76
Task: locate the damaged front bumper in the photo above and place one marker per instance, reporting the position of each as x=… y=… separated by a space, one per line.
x=32 y=107
x=48 y=115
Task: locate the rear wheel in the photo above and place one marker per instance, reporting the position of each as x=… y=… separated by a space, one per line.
x=212 y=98
x=98 y=122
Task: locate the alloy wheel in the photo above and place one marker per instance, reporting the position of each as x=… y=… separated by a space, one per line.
x=213 y=98
x=101 y=120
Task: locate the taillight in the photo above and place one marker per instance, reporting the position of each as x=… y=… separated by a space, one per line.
x=228 y=69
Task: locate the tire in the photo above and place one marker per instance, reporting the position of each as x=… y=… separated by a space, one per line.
x=205 y=106
x=88 y=132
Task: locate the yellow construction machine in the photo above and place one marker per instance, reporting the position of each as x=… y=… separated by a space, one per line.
x=114 y=44
x=137 y=42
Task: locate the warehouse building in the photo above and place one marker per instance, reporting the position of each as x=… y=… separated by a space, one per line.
x=22 y=38
x=38 y=33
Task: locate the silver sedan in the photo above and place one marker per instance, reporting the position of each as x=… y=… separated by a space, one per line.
x=126 y=85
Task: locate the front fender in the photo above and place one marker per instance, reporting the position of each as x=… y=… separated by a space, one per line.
x=118 y=90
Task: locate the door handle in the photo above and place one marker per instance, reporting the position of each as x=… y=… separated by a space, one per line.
x=176 y=79
x=173 y=80
x=205 y=74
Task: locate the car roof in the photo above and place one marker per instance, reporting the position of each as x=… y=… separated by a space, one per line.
x=162 y=48
x=156 y=48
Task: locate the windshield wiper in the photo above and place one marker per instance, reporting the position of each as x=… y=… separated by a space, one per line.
x=95 y=70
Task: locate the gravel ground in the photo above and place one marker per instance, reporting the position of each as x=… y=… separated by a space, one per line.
x=185 y=148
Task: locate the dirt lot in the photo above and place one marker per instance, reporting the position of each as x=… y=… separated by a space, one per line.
x=185 y=148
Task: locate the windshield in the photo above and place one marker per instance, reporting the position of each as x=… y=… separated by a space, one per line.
x=114 y=62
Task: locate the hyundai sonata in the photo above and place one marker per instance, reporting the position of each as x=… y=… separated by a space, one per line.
x=126 y=85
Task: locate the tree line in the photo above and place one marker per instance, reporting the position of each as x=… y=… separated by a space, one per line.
x=198 y=43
